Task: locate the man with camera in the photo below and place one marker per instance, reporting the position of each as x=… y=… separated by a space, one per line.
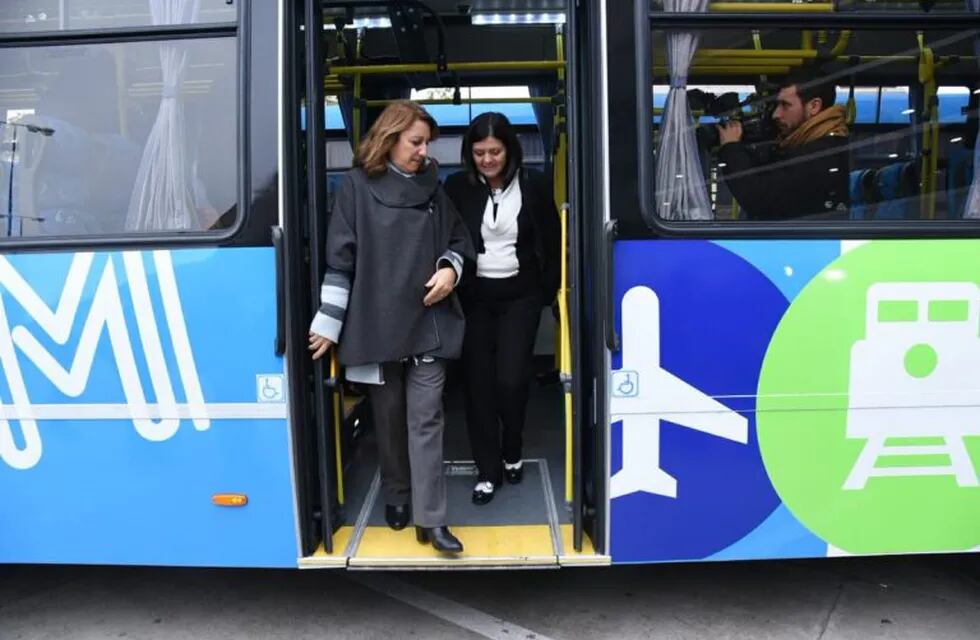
x=805 y=172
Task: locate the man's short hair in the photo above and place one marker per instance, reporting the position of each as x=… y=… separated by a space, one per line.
x=810 y=83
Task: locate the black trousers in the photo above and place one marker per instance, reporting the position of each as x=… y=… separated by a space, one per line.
x=501 y=324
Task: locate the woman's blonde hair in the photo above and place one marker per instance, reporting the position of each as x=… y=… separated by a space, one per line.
x=372 y=154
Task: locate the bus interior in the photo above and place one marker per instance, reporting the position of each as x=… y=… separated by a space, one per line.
x=910 y=97
x=458 y=61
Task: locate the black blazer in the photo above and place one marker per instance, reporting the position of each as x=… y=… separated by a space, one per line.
x=538 y=214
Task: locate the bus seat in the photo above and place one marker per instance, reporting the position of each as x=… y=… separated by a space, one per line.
x=959 y=175
x=862 y=194
x=896 y=187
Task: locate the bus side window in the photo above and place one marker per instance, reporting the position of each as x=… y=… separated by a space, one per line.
x=150 y=148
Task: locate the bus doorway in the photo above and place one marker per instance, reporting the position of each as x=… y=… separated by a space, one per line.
x=458 y=62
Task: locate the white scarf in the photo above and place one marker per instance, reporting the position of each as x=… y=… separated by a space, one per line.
x=499 y=259
x=508 y=207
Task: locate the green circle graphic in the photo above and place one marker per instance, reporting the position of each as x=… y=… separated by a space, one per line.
x=803 y=412
x=921 y=361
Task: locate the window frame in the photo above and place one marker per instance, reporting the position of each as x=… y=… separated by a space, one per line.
x=240 y=31
x=645 y=20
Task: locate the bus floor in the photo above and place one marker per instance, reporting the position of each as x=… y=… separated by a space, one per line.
x=525 y=525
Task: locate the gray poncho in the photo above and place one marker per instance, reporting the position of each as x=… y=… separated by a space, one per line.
x=386 y=237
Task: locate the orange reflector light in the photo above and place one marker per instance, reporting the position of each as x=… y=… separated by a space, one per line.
x=229 y=499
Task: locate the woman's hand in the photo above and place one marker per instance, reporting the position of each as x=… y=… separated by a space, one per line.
x=439 y=285
x=319 y=345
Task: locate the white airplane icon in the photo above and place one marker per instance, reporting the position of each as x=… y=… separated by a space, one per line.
x=643 y=394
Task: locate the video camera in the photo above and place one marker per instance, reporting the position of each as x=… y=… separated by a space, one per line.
x=757 y=124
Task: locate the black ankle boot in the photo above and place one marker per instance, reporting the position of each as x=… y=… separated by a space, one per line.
x=440 y=537
x=397 y=516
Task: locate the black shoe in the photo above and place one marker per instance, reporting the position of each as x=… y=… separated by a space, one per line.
x=514 y=475
x=480 y=495
x=397 y=516
x=440 y=537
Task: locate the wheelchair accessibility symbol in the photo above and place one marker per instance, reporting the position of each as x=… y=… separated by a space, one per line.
x=625 y=384
x=270 y=388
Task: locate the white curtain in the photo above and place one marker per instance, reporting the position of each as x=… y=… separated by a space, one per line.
x=972 y=209
x=681 y=191
x=163 y=196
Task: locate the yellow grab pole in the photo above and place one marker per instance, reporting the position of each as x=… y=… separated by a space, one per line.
x=565 y=353
x=771 y=7
x=560 y=160
x=843 y=40
x=397 y=69
x=765 y=54
x=356 y=124
x=930 y=129
x=739 y=61
x=338 y=421
x=806 y=40
x=564 y=324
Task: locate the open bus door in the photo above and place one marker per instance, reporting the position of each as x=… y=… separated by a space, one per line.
x=313 y=385
x=527 y=527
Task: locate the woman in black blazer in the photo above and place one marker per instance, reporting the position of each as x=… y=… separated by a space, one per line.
x=513 y=221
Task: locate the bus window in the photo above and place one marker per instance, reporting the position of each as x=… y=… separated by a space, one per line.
x=57 y=15
x=150 y=148
x=775 y=125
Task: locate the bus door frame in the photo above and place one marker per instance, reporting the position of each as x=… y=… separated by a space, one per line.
x=303 y=239
x=587 y=247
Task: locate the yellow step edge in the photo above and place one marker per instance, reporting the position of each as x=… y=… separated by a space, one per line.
x=337 y=559
x=585 y=558
x=484 y=546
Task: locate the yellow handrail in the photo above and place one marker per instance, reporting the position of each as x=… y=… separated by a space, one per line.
x=771 y=7
x=338 y=421
x=930 y=129
x=840 y=46
x=532 y=100
x=396 y=69
x=756 y=53
x=356 y=108
x=565 y=353
x=564 y=324
x=746 y=61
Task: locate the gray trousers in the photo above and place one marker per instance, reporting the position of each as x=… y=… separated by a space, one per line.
x=409 y=421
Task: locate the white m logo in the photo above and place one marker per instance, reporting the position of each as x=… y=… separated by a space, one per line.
x=156 y=422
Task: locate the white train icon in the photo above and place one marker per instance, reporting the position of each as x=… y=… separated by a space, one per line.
x=916 y=374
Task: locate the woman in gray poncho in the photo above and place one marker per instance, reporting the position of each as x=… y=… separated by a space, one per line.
x=395 y=252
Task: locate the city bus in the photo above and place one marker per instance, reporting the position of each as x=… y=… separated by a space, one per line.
x=711 y=386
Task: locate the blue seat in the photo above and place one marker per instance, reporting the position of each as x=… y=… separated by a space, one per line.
x=896 y=185
x=862 y=194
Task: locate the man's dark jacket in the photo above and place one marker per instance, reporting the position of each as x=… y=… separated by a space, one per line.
x=780 y=183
